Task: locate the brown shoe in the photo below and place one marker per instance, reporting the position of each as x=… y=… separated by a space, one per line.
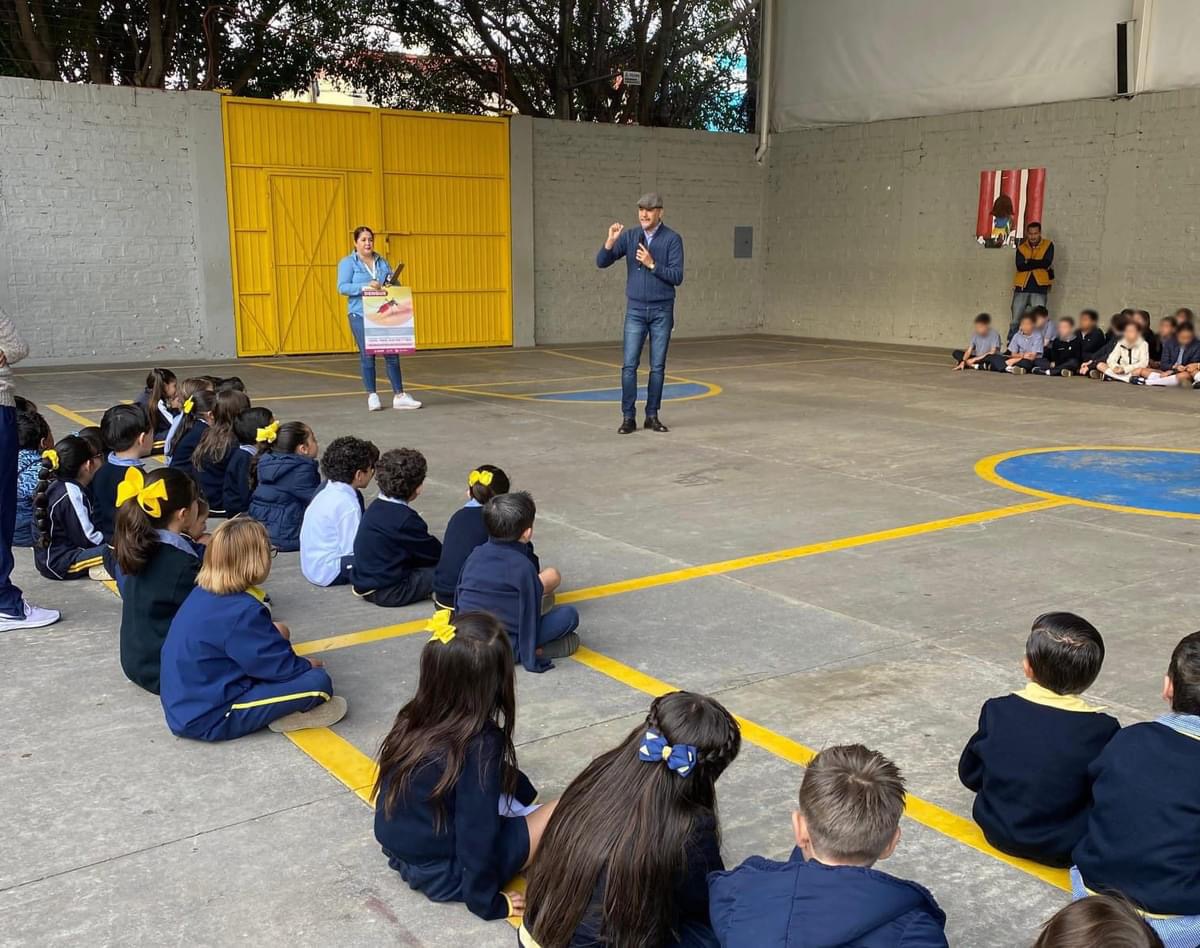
x=323 y=715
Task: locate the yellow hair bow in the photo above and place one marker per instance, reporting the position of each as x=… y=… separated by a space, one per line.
x=52 y=456
x=440 y=627
x=267 y=434
x=188 y=405
x=148 y=498
x=480 y=477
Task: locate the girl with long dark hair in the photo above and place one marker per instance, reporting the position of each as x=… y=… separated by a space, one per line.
x=67 y=543
x=255 y=429
x=160 y=401
x=448 y=774
x=159 y=564
x=283 y=481
x=194 y=419
x=216 y=446
x=625 y=858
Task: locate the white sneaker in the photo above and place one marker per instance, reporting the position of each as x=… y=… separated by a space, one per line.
x=33 y=618
x=373 y=403
x=405 y=402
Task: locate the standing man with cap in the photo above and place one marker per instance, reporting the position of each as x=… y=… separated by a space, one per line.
x=654 y=262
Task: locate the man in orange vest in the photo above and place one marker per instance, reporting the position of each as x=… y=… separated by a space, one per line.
x=1035 y=273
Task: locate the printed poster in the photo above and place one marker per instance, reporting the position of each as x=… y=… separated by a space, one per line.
x=388 y=327
x=1008 y=198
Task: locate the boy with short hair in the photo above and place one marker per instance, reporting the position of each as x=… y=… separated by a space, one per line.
x=1097 y=351
x=1063 y=353
x=1180 y=359
x=985 y=342
x=1091 y=339
x=1024 y=348
x=331 y=521
x=1143 y=828
x=394 y=552
x=1131 y=353
x=827 y=893
x=500 y=577
x=128 y=430
x=1028 y=761
x=1043 y=324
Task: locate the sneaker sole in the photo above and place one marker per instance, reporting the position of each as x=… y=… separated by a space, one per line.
x=406 y=407
x=12 y=625
x=323 y=715
x=561 y=648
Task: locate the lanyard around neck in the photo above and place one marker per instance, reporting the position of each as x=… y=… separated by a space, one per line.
x=372 y=267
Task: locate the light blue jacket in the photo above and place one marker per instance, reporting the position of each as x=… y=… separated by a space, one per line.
x=353 y=275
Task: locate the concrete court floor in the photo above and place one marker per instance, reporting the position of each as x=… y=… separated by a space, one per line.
x=118 y=833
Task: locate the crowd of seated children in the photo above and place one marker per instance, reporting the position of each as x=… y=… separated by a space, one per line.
x=216 y=446
x=33 y=437
x=466 y=530
x=1179 y=363
x=502 y=577
x=68 y=544
x=1032 y=796
x=159 y=561
x=226 y=669
x=284 y=478
x=331 y=520
x=252 y=428
x=160 y=400
x=454 y=814
x=628 y=849
x=828 y=892
x=194 y=418
x=1098 y=921
x=394 y=552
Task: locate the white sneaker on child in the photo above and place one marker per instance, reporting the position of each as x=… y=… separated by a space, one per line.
x=32 y=617
x=405 y=402
x=373 y=403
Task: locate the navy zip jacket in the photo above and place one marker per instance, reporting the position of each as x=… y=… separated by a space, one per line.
x=103 y=491
x=235 y=491
x=211 y=477
x=768 y=904
x=1094 y=343
x=392 y=540
x=464 y=533
x=149 y=601
x=1060 y=351
x=643 y=285
x=1143 y=831
x=1032 y=796
x=1171 y=355
x=287 y=484
x=69 y=534
x=183 y=448
x=463 y=857
x=499 y=578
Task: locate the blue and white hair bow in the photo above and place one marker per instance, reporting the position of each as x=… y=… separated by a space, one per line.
x=654 y=749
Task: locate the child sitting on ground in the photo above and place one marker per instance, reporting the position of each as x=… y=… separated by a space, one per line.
x=285 y=479
x=1129 y=354
x=253 y=428
x=161 y=402
x=1099 y=921
x=194 y=418
x=827 y=893
x=216 y=446
x=500 y=578
x=985 y=342
x=466 y=531
x=33 y=437
x=1063 y=352
x=159 y=563
x=69 y=546
x=130 y=438
x=1097 y=355
x=394 y=552
x=453 y=813
x=1143 y=829
x=1092 y=340
x=331 y=520
x=628 y=850
x=1024 y=348
x=1043 y=325
x=1032 y=794
x=1180 y=359
x=227 y=669
x=188 y=388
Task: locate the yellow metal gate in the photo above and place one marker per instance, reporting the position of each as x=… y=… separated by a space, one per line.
x=434 y=188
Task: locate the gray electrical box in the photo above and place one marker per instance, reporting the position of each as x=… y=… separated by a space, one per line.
x=743 y=243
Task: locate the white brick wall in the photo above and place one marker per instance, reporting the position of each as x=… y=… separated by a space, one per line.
x=870 y=227
x=108 y=223
x=587 y=176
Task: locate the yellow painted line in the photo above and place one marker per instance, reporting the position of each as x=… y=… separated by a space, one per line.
x=350 y=766
x=921 y=811
x=986 y=468
x=546 y=396
x=71 y=416
x=313 y=646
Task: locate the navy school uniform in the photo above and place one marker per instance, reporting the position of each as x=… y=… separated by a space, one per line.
x=226 y=671
x=394 y=554
x=1143 y=829
x=473 y=852
x=75 y=544
x=184 y=447
x=149 y=601
x=286 y=486
x=768 y=904
x=161 y=414
x=1028 y=765
x=464 y=533
x=211 y=477
x=235 y=489
x=499 y=577
x=103 y=490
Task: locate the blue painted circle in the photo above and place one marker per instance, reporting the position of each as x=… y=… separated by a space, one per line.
x=1151 y=480
x=672 y=390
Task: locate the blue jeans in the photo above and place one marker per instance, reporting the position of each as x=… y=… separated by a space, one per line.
x=367 y=362
x=11 y=601
x=1021 y=302
x=655 y=320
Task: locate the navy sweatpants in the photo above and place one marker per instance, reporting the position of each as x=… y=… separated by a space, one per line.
x=270 y=700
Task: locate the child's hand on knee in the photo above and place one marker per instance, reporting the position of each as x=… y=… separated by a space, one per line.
x=316 y=663
x=284 y=630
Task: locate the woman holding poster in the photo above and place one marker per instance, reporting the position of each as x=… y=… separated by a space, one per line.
x=363 y=276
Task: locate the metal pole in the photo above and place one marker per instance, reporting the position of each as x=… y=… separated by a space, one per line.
x=766 y=56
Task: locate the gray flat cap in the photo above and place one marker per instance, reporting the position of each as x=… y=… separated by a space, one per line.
x=650 y=199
